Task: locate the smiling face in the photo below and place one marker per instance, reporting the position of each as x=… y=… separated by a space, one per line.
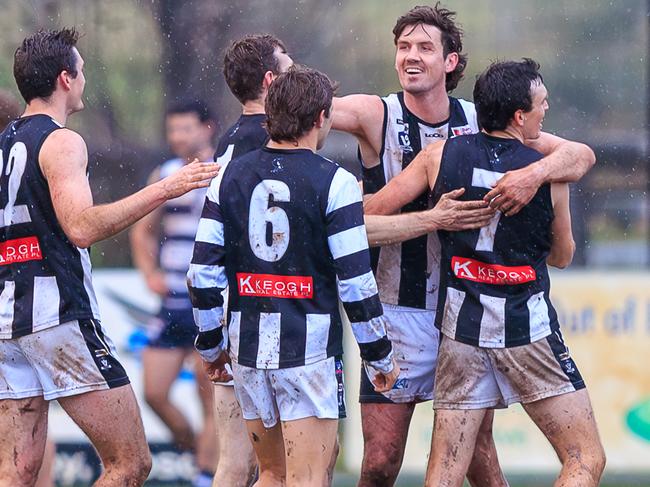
x=420 y=63
x=532 y=119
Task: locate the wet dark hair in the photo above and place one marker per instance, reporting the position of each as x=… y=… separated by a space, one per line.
x=9 y=108
x=191 y=105
x=247 y=60
x=502 y=89
x=294 y=102
x=41 y=58
x=451 y=35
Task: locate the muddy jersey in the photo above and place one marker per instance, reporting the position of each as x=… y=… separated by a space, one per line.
x=408 y=273
x=247 y=134
x=180 y=217
x=494 y=286
x=284 y=231
x=45 y=279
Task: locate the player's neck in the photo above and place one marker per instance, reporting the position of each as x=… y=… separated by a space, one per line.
x=308 y=141
x=508 y=133
x=39 y=106
x=431 y=106
x=253 y=107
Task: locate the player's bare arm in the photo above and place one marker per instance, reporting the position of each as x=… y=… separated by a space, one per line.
x=363 y=117
x=564 y=161
x=64 y=160
x=420 y=176
x=144 y=238
x=562 y=246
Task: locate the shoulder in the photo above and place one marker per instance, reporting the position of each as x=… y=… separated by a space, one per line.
x=63 y=143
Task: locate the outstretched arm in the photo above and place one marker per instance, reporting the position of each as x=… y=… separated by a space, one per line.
x=64 y=159
x=363 y=117
x=564 y=161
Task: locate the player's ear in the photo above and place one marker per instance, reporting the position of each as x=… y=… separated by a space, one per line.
x=451 y=61
x=519 y=118
x=320 y=121
x=65 y=78
x=268 y=79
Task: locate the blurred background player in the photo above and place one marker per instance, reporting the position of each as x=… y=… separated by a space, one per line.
x=284 y=230
x=250 y=65
x=161 y=246
x=52 y=343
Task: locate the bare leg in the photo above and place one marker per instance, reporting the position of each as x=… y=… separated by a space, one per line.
x=23 y=429
x=484 y=470
x=385 y=431
x=236 y=457
x=46 y=473
x=161 y=367
x=332 y=464
x=269 y=450
x=111 y=420
x=308 y=444
x=206 y=441
x=568 y=423
x=452 y=446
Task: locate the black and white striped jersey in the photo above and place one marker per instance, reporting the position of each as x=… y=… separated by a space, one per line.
x=494 y=286
x=407 y=273
x=247 y=134
x=180 y=217
x=45 y=279
x=283 y=229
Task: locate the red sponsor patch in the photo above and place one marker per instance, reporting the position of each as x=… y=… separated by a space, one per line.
x=272 y=286
x=473 y=270
x=20 y=250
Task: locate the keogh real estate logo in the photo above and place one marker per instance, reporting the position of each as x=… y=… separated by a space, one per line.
x=20 y=250
x=273 y=286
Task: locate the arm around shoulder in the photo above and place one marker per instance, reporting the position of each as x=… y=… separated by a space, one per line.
x=565 y=160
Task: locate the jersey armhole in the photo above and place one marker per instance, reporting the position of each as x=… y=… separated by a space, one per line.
x=384 y=126
x=38 y=153
x=438 y=190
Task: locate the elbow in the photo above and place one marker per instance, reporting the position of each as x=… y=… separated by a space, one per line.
x=562 y=259
x=79 y=238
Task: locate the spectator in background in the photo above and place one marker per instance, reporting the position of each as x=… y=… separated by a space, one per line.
x=9 y=108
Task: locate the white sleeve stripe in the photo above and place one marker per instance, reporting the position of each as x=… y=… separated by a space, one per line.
x=208 y=319
x=344 y=191
x=369 y=331
x=207 y=276
x=210 y=231
x=348 y=242
x=357 y=288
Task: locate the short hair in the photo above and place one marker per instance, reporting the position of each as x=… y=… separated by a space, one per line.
x=9 y=108
x=191 y=105
x=247 y=60
x=502 y=89
x=294 y=102
x=40 y=59
x=451 y=35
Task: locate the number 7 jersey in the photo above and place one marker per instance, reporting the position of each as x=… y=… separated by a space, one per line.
x=283 y=229
x=45 y=279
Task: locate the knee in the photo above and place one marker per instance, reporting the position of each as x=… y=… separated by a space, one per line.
x=381 y=466
x=132 y=470
x=592 y=459
x=155 y=399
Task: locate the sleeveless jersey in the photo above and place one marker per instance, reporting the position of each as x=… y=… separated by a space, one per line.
x=494 y=281
x=283 y=230
x=45 y=279
x=180 y=217
x=247 y=134
x=408 y=273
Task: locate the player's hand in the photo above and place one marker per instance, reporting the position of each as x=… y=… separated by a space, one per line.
x=385 y=382
x=216 y=371
x=156 y=282
x=191 y=176
x=453 y=215
x=515 y=190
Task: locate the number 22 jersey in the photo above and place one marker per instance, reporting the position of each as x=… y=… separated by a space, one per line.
x=45 y=278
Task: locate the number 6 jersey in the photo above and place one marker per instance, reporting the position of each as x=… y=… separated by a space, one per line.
x=45 y=279
x=283 y=229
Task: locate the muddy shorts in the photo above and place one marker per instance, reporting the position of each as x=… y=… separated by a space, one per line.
x=65 y=360
x=415 y=342
x=471 y=377
x=314 y=390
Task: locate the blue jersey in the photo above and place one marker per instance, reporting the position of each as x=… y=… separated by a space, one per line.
x=45 y=278
x=283 y=229
x=494 y=286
